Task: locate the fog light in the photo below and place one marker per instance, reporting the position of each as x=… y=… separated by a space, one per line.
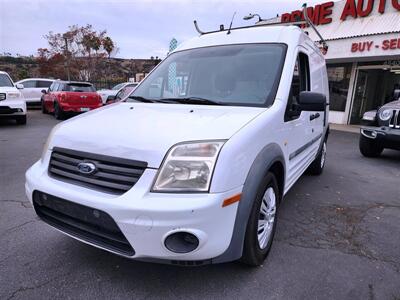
x=181 y=242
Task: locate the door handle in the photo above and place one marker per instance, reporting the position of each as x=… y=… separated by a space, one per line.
x=314 y=116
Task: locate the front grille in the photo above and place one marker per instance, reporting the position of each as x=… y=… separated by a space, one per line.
x=6 y=110
x=395 y=120
x=88 y=224
x=3 y=96
x=111 y=175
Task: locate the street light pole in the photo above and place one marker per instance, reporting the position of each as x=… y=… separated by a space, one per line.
x=67 y=57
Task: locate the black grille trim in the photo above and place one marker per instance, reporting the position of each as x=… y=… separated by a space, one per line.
x=113 y=175
x=394 y=121
x=88 y=224
x=3 y=96
x=6 y=110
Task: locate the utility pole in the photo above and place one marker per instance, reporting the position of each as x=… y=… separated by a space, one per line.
x=67 y=57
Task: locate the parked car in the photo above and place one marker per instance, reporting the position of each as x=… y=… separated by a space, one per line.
x=122 y=94
x=33 y=87
x=113 y=92
x=12 y=103
x=66 y=97
x=192 y=171
x=381 y=130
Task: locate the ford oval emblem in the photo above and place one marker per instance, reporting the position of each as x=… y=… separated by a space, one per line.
x=86 y=168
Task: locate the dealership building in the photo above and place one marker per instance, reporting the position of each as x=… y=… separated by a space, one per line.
x=363 y=56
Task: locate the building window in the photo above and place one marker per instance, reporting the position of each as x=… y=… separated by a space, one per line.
x=339 y=80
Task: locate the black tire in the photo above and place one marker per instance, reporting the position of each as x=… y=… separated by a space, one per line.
x=317 y=166
x=58 y=112
x=253 y=254
x=44 y=110
x=369 y=147
x=21 y=120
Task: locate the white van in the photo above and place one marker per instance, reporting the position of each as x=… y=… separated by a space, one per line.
x=193 y=166
x=33 y=88
x=12 y=103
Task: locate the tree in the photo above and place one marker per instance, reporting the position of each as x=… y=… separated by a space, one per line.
x=82 y=48
x=50 y=65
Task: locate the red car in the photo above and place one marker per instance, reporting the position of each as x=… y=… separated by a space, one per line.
x=65 y=97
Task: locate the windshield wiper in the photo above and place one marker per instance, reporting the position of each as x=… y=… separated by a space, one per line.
x=193 y=100
x=142 y=99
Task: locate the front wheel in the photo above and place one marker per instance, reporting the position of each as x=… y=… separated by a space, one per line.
x=44 y=110
x=261 y=226
x=369 y=147
x=317 y=166
x=58 y=112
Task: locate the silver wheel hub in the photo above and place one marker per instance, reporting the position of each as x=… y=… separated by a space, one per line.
x=266 y=217
x=323 y=155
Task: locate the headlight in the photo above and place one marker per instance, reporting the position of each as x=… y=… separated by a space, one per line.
x=14 y=95
x=385 y=114
x=369 y=116
x=188 y=167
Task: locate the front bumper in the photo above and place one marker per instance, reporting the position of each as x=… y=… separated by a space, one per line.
x=146 y=218
x=12 y=108
x=384 y=136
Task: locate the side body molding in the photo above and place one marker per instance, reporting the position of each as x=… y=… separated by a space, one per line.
x=263 y=162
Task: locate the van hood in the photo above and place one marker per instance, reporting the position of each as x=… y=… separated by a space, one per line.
x=145 y=132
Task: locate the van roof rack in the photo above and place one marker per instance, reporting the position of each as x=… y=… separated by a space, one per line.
x=306 y=22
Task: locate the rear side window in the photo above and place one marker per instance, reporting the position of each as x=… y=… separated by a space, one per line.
x=43 y=84
x=29 y=84
x=300 y=83
x=80 y=88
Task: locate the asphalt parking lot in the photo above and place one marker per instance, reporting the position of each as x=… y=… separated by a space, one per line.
x=338 y=237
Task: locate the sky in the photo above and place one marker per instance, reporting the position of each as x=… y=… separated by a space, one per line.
x=140 y=29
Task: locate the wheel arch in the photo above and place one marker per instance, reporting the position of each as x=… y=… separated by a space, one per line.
x=269 y=159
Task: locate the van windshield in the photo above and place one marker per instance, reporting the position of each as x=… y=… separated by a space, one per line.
x=5 y=81
x=245 y=74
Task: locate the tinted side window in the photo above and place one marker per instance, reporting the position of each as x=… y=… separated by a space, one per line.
x=29 y=84
x=300 y=83
x=43 y=84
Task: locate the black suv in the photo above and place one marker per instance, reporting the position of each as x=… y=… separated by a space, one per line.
x=381 y=130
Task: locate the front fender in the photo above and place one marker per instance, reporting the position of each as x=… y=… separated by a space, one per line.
x=265 y=159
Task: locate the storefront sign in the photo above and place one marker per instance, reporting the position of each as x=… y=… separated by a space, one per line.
x=385 y=45
x=322 y=14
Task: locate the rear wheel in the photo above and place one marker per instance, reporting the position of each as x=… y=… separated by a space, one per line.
x=369 y=147
x=261 y=226
x=58 y=112
x=21 y=120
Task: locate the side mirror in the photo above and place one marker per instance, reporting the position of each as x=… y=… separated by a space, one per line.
x=44 y=91
x=19 y=86
x=310 y=101
x=111 y=98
